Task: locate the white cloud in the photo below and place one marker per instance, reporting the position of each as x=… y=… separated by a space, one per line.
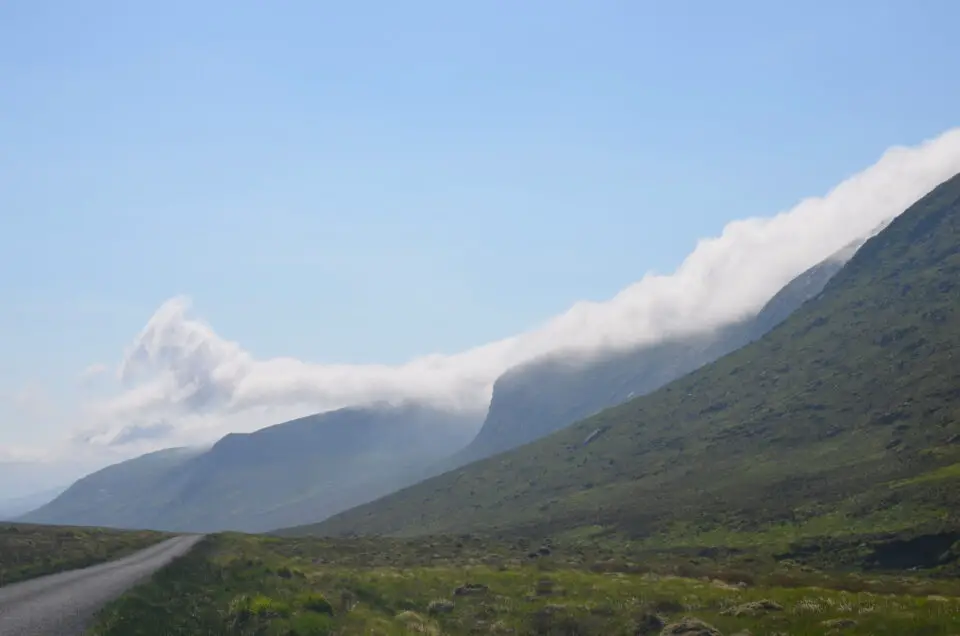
x=179 y=369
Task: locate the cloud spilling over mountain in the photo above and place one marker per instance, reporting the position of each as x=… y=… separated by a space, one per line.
x=843 y=417
x=179 y=369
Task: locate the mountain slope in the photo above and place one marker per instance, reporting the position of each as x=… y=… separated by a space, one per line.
x=295 y=472
x=545 y=395
x=115 y=495
x=843 y=419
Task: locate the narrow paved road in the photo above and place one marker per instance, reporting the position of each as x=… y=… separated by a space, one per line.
x=63 y=604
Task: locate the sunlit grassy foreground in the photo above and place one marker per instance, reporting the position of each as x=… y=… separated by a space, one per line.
x=234 y=584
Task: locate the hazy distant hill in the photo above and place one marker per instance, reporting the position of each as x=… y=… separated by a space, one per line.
x=290 y=473
x=13 y=507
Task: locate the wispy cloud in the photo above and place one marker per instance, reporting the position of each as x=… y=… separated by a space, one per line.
x=140 y=432
x=179 y=369
x=92 y=372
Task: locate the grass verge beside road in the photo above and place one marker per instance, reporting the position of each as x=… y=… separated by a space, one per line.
x=30 y=551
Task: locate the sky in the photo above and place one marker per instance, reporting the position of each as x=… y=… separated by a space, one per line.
x=217 y=215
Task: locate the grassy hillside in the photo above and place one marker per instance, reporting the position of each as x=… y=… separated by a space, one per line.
x=239 y=585
x=843 y=420
x=29 y=551
x=295 y=472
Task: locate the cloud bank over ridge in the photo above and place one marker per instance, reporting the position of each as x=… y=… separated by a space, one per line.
x=180 y=376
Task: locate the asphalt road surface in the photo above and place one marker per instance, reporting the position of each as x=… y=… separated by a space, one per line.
x=63 y=604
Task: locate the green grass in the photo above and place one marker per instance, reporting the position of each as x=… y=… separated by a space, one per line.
x=236 y=584
x=29 y=551
x=842 y=422
x=943 y=473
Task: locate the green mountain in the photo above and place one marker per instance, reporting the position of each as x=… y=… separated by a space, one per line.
x=295 y=472
x=545 y=395
x=842 y=420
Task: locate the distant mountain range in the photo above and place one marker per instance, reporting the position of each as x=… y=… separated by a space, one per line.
x=840 y=423
x=13 y=507
x=290 y=473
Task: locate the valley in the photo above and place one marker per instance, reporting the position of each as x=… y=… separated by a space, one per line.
x=794 y=473
x=803 y=483
x=464 y=319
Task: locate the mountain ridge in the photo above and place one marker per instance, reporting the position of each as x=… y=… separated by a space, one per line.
x=843 y=418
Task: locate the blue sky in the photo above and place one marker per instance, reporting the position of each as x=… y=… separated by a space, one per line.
x=369 y=182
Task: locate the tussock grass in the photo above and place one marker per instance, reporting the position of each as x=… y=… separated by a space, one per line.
x=236 y=584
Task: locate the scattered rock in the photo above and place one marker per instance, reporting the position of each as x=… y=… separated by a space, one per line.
x=439 y=607
x=545 y=587
x=723 y=585
x=648 y=624
x=754 y=608
x=471 y=589
x=840 y=623
x=544 y=551
x=690 y=627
